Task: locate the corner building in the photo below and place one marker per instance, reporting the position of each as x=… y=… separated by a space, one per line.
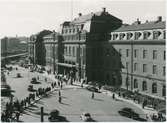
x=82 y=39
x=142 y=52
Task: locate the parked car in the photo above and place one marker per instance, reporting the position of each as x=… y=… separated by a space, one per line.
x=86 y=117
x=18 y=75
x=34 y=80
x=92 y=88
x=128 y=112
x=30 y=88
x=55 y=117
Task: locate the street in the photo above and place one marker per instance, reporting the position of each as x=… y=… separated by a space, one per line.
x=75 y=100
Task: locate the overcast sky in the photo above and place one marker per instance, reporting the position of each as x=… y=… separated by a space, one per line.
x=26 y=17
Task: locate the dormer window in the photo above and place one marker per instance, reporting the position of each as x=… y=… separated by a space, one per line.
x=121 y=36
x=146 y=35
x=137 y=35
x=129 y=35
x=115 y=36
x=156 y=34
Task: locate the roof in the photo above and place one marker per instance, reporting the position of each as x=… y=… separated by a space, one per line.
x=144 y=26
x=87 y=17
x=49 y=35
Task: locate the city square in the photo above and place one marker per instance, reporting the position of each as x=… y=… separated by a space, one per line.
x=80 y=61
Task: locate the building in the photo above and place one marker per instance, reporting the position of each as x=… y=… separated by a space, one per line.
x=142 y=52
x=98 y=47
x=79 y=39
x=53 y=48
x=13 y=45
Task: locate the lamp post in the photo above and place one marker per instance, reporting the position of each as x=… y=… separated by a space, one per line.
x=79 y=59
x=54 y=38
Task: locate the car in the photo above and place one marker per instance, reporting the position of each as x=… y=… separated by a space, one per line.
x=30 y=88
x=86 y=117
x=55 y=117
x=128 y=112
x=92 y=88
x=18 y=75
x=34 y=80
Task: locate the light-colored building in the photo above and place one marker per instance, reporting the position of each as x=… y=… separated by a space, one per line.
x=142 y=52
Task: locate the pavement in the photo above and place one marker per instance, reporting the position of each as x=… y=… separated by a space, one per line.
x=73 y=97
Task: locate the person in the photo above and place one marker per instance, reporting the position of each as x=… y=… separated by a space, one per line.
x=37 y=77
x=59 y=99
x=113 y=96
x=93 y=95
x=17 y=116
x=59 y=93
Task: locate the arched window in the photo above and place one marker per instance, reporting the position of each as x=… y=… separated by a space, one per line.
x=164 y=90
x=144 y=85
x=135 y=83
x=154 y=88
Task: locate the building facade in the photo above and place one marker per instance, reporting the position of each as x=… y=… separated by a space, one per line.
x=98 y=47
x=142 y=52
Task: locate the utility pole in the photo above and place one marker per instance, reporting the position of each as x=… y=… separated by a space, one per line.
x=54 y=38
x=79 y=59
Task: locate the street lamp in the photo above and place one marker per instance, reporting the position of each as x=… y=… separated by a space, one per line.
x=54 y=38
x=79 y=59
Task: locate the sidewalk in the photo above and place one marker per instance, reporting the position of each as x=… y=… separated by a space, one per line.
x=147 y=111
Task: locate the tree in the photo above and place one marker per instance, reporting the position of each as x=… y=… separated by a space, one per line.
x=40 y=47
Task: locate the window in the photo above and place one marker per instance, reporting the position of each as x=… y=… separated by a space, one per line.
x=127 y=52
x=120 y=52
x=164 y=90
x=144 y=68
x=154 y=69
x=121 y=36
x=164 y=55
x=73 y=50
x=164 y=34
x=146 y=35
x=164 y=70
x=135 y=83
x=144 y=54
x=115 y=36
x=154 y=88
x=137 y=35
x=69 y=50
x=127 y=65
x=156 y=34
x=144 y=85
x=135 y=66
x=129 y=35
x=155 y=54
x=136 y=53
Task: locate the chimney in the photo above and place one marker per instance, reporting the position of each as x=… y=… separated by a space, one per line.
x=137 y=22
x=80 y=14
x=104 y=9
x=159 y=18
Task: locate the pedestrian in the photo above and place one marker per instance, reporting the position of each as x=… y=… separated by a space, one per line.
x=113 y=96
x=17 y=116
x=60 y=99
x=45 y=79
x=59 y=93
x=37 y=77
x=93 y=95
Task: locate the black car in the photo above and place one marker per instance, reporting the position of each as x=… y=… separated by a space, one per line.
x=34 y=81
x=92 y=88
x=128 y=112
x=55 y=117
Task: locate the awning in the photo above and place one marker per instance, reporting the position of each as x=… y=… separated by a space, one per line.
x=66 y=65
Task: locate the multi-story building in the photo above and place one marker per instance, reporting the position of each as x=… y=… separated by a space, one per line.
x=79 y=39
x=142 y=54
x=54 y=49
x=98 y=47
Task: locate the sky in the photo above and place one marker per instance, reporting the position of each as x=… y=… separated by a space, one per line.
x=26 y=17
